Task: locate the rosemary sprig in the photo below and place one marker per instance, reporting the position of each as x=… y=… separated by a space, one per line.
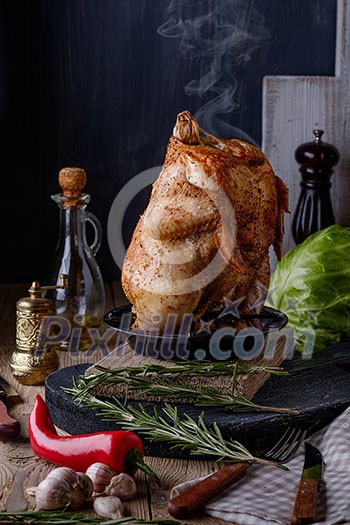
x=68 y=518
x=202 y=368
x=167 y=426
x=154 y=380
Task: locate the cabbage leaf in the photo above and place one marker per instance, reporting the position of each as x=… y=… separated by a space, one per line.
x=311 y=285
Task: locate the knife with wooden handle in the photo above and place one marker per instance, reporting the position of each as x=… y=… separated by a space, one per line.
x=305 y=504
x=193 y=498
x=9 y=427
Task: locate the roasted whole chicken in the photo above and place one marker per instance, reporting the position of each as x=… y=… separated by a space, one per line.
x=204 y=238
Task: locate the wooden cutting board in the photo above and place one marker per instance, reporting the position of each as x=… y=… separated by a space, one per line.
x=319 y=388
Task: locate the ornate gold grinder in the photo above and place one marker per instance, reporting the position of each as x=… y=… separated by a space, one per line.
x=27 y=365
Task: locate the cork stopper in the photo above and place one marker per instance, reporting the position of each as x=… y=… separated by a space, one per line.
x=72 y=181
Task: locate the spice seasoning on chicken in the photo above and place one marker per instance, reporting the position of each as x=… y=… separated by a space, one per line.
x=214 y=211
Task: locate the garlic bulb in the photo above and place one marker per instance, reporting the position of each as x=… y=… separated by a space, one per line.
x=63 y=487
x=109 y=507
x=123 y=486
x=100 y=475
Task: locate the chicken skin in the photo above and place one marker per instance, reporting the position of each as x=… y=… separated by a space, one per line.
x=214 y=211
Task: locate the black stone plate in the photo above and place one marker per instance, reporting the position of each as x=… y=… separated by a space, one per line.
x=192 y=342
x=319 y=388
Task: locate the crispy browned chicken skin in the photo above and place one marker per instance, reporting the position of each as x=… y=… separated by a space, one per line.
x=214 y=211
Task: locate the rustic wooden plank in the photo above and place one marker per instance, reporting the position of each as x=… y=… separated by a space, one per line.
x=174 y=472
x=20 y=468
x=151 y=501
x=294 y=106
x=304 y=389
x=341 y=109
x=139 y=506
x=245 y=384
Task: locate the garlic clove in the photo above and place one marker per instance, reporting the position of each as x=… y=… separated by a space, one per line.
x=123 y=486
x=63 y=487
x=52 y=494
x=67 y=473
x=109 y=507
x=84 y=483
x=81 y=490
x=101 y=475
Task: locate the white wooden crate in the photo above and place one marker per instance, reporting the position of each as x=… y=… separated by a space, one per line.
x=294 y=106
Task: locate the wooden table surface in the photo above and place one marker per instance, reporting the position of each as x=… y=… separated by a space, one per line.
x=20 y=468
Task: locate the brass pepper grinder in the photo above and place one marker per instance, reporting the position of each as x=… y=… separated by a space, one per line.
x=82 y=303
x=314 y=209
x=29 y=366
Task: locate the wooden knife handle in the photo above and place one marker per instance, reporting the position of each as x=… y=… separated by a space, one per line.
x=188 y=502
x=9 y=427
x=305 y=503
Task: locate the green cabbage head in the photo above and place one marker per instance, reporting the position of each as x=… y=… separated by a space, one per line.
x=311 y=285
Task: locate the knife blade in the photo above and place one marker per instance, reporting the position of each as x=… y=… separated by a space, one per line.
x=304 y=510
x=9 y=427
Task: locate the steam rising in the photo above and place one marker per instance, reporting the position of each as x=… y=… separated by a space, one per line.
x=222 y=41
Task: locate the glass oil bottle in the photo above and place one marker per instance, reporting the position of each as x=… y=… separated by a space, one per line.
x=82 y=303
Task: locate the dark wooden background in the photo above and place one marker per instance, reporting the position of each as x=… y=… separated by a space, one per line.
x=98 y=84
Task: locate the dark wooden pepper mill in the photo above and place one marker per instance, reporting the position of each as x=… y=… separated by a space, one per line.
x=314 y=210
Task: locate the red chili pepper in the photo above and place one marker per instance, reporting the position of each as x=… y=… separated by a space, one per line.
x=121 y=450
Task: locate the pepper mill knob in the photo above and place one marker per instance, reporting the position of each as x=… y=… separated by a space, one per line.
x=314 y=209
x=72 y=181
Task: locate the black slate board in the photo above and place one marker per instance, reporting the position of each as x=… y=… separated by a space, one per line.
x=318 y=388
